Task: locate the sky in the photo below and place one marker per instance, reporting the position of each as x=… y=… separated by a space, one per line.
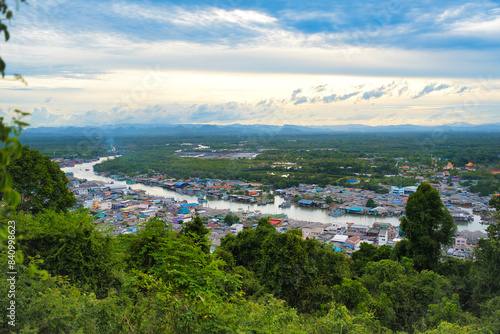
x=253 y=62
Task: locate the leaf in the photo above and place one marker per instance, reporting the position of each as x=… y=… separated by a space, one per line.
x=15 y=198
x=2 y=67
x=5 y=182
x=20 y=78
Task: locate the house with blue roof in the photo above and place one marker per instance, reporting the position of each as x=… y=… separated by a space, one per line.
x=184 y=211
x=355 y=210
x=307 y=203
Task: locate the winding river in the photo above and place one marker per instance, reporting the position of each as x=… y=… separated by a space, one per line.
x=86 y=171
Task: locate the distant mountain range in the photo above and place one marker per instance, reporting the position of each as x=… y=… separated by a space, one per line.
x=239 y=129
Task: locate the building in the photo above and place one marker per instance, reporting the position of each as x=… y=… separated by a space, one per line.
x=236 y=228
x=470 y=166
x=403 y=190
x=460 y=242
x=449 y=166
x=276 y=222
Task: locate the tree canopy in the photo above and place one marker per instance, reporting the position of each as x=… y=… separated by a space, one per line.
x=426 y=227
x=40 y=182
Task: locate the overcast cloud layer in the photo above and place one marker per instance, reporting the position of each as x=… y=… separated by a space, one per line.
x=234 y=61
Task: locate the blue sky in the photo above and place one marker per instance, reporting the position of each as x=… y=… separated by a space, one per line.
x=267 y=62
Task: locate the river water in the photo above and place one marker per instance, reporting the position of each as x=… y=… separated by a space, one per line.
x=294 y=212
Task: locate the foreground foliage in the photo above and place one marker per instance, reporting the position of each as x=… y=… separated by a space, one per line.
x=259 y=281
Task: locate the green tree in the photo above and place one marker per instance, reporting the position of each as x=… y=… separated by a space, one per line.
x=41 y=183
x=285 y=266
x=198 y=232
x=10 y=150
x=351 y=293
x=403 y=293
x=427 y=226
x=370 y=203
x=368 y=253
x=487 y=266
x=495 y=202
x=70 y=245
x=299 y=271
x=246 y=246
x=231 y=219
x=328 y=200
x=141 y=246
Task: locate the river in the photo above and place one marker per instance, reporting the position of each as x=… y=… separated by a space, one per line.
x=86 y=171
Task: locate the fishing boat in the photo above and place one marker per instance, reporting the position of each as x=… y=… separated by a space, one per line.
x=336 y=213
x=285 y=205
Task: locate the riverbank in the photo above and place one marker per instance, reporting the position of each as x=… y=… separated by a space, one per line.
x=85 y=171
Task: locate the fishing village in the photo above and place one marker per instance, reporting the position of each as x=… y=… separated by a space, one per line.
x=118 y=205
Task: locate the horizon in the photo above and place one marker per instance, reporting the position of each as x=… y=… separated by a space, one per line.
x=455 y=124
x=280 y=63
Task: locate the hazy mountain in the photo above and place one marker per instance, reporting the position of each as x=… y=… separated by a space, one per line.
x=238 y=129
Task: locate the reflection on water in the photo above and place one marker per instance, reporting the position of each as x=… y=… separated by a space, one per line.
x=314 y=215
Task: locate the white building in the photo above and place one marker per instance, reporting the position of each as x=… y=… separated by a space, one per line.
x=236 y=228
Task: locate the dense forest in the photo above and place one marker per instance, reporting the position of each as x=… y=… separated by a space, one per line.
x=458 y=148
x=285 y=161
x=75 y=277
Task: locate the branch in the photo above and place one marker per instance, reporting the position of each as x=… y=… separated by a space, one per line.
x=128 y=323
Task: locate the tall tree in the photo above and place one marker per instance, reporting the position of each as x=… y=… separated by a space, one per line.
x=246 y=245
x=299 y=271
x=197 y=232
x=426 y=227
x=70 y=245
x=40 y=182
x=487 y=267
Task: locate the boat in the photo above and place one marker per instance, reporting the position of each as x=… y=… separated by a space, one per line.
x=336 y=213
x=285 y=205
x=486 y=222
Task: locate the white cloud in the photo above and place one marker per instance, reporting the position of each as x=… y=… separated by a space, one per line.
x=200 y=17
x=478 y=27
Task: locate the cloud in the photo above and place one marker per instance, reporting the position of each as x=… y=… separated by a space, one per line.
x=480 y=26
x=101 y=49
x=194 y=17
x=295 y=93
x=320 y=88
x=43 y=116
x=300 y=100
x=335 y=97
x=429 y=89
x=296 y=99
x=388 y=89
